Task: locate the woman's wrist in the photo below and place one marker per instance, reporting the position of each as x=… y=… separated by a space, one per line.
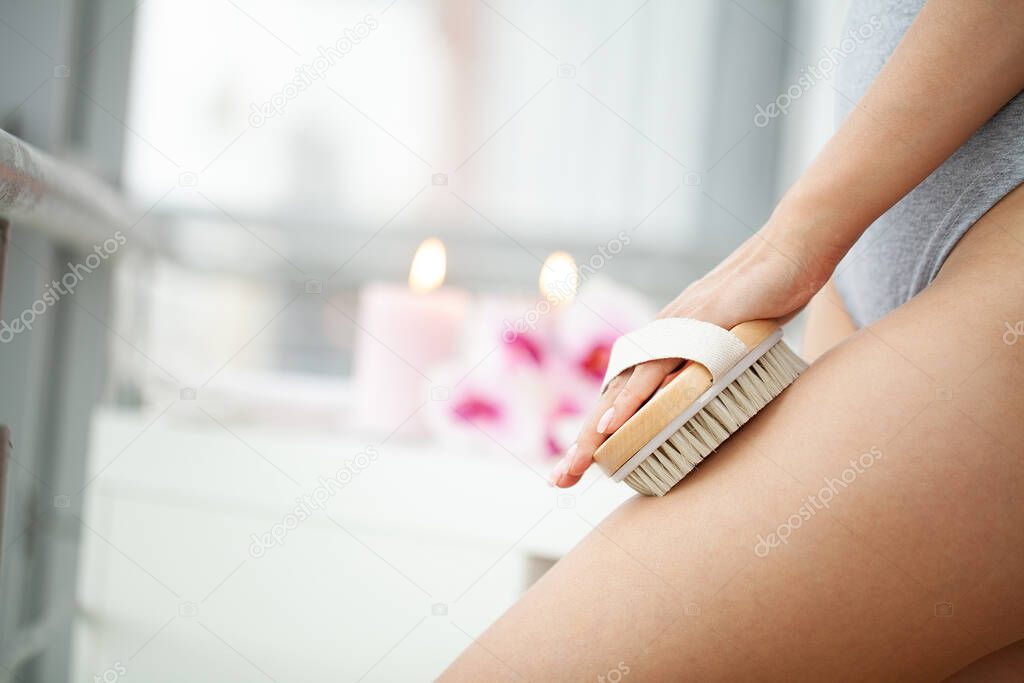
x=810 y=228
x=818 y=216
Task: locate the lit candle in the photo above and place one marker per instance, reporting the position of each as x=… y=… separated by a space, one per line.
x=404 y=333
x=559 y=278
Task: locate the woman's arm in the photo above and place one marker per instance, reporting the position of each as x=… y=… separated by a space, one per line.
x=957 y=65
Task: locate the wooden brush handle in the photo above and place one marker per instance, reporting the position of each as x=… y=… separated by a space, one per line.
x=669 y=402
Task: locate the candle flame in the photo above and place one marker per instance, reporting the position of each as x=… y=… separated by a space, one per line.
x=428 y=266
x=559 y=278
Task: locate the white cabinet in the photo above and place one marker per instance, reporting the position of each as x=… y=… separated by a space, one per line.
x=416 y=553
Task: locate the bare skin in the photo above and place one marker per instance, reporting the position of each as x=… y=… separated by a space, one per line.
x=1003 y=666
x=828 y=325
x=912 y=572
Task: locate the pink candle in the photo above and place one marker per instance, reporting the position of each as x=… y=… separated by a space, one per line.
x=405 y=332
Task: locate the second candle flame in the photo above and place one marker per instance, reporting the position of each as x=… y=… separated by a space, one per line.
x=428 y=266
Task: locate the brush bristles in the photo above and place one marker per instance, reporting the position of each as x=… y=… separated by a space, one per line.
x=717 y=421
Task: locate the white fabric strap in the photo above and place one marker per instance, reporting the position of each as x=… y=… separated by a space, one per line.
x=715 y=348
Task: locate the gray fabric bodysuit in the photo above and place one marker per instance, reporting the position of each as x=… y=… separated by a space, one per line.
x=902 y=251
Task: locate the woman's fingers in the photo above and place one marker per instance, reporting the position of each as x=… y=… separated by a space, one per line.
x=641 y=385
x=672 y=375
x=579 y=456
x=620 y=401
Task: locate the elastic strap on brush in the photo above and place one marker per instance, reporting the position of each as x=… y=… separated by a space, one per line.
x=714 y=347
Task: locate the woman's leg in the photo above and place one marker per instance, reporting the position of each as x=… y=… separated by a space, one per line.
x=867 y=524
x=1002 y=666
x=828 y=323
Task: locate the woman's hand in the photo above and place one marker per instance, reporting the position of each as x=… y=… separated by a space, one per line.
x=767 y=277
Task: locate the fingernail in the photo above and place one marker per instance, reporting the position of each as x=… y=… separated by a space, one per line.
x=559 y=470
x=570 y=457
x=605 y=420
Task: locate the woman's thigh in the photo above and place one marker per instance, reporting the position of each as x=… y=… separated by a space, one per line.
x=1003 y=666
x=828 y=323
x=867 y=524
